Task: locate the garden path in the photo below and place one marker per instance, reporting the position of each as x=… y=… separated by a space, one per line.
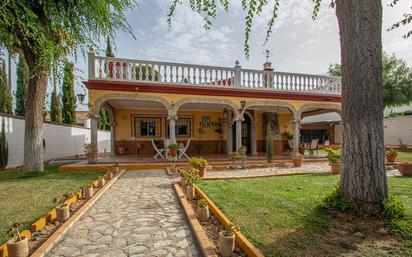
x=138 y=216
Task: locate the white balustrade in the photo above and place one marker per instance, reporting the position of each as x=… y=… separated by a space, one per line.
x=105 y=68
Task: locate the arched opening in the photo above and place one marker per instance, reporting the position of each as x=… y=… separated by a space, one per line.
x=134 y=122
x=321 y=123
x=207 y=126
x=279 y=116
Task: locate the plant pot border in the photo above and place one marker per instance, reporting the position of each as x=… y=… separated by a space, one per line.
x=242 y=242
x=203 y=241
x=47 y=246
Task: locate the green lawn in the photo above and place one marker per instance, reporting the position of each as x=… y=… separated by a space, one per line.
x=25 y=199
x=278 y=215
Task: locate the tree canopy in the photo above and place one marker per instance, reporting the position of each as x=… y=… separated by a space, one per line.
x=397 y=80
x=5 y=93
x=52 y=29
x=69 y=98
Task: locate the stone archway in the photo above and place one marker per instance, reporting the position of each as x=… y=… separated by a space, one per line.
x=335 y=107
x=286 y=105
x=176 y=106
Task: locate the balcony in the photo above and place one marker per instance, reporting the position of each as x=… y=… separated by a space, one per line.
x=127 y=70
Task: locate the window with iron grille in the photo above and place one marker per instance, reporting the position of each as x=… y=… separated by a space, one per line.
x=184 y=127
x=147 y=126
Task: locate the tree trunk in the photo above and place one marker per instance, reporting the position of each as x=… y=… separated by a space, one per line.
x=363 y=176
x=33 y=136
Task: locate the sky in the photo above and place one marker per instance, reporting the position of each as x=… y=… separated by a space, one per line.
x=298 y=43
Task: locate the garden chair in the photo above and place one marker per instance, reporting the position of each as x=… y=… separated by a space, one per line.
x=314 y=144
x=182 y=151
x=159 y=152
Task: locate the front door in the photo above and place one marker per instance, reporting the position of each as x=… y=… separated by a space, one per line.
x=246 y=134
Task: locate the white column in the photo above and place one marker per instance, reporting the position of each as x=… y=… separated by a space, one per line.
x=238 y=134
x=93 y=130
x=229 y=141
x=253 y=139
x=172 y=129
x=112 y=138
x=296 y=135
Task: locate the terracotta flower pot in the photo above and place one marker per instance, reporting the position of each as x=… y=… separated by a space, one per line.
x=121 y=150
x=226 y=244
x=109 y=175
x=102 y=182
x=335 y=167
x=63 y=212
x=183 y=182
x=204 y=214
x=92 y=158
x=391 y=158
x=298 y=162
x=18 y=248
x=202 y=171
x=173 y=152
x=190 y=192
x=116 y=169
x=88 y=192
x=405 y=169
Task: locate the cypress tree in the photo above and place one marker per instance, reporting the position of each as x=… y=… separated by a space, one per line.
x=22 y=86
x=55 y=107
x=109 y=51
x=4 y=148
x=269 y=144
x=104 y=119
x=69 y=99
x=5 y=93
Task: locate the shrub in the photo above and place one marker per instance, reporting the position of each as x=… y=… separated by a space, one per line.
x=90 y=148
x=202 y=203
x=393 y=209
x=198 y=162
x=173 y=146
x=392 y=152
x=334 y=203
x=269 y=144
x=297 y=156
x=333 y=155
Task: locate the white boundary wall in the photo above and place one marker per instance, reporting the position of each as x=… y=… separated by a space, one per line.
x=398 y=128
x=61 y=140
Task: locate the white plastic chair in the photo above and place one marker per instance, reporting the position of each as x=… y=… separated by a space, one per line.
x=159 y=152
x=182 y=151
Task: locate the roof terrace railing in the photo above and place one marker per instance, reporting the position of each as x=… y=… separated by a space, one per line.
x=115 y=69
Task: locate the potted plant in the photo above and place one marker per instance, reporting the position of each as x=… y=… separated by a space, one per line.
x=63 y=209
x=297 y=160
x=200 y=164
x=122 y=147
x=203 y=210
x=192 y=179
x=183 y=176
x=91 y=153
x=391 y=155
x=227 y=241
x=19 y=246
x=334 y=160
x=109 y=175
x=301 y=149
x=116 y=168
x=88 y=192
x=405 y=168
x=173 y=149
x=101 y=182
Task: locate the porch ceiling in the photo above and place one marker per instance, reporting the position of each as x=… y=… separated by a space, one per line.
x=270 y=109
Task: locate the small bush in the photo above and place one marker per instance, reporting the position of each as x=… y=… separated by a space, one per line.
x=393 y=209
x=334 y=203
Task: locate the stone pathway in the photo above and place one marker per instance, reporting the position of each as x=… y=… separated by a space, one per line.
x=139 y=216
x=320 y=167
